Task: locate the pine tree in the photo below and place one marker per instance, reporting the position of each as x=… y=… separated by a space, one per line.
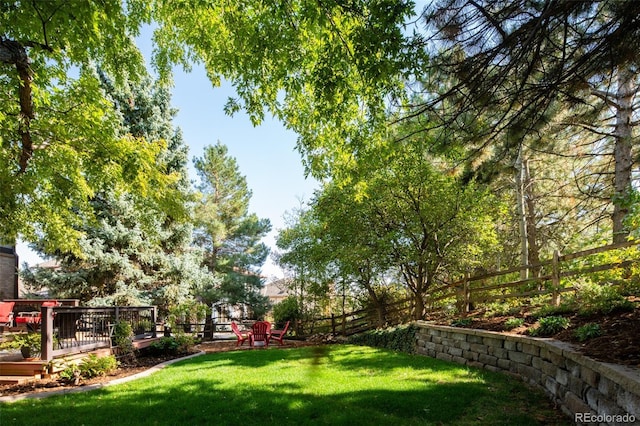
x=511 y=68
x=226 y=231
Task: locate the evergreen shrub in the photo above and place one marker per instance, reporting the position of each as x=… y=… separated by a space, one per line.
x=173 y=345
x=286 y=310
x=123 y=340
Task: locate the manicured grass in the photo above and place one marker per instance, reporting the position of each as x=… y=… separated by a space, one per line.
x=332 y=385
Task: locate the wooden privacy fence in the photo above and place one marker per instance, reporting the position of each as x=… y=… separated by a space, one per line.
x=548 y=279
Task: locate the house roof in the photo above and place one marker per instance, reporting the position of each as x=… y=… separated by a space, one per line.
x=51 y=264
x=278 y=288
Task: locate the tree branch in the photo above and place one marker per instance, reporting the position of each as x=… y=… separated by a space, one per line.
x=15 y=53
x=606 y=97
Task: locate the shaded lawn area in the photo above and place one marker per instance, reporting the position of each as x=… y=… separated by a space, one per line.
x=333 y=385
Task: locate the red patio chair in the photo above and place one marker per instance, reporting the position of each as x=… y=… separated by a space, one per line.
x=241 y=336
x=260 y=333
x=33 y=319
x=6 y=313
x=278 y=335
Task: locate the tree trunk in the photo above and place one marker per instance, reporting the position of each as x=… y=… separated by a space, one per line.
x=14 y=53
x=418 y=313
x=533 y=252
x=377 y=303
x=622 y=153
x=520 y=210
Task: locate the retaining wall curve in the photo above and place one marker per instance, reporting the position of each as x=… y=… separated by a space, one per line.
x=583 y=388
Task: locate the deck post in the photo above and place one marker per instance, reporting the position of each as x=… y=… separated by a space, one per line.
x=46 y=331
x=153 y=321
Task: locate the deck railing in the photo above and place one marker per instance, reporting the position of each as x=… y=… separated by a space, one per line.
x=68 y=330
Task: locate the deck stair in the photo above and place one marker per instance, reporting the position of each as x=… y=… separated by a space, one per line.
x=23 y=371
x=16 y=380
x=16 y=372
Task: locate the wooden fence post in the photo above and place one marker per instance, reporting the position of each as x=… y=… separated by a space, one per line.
x=555 y=279
x=467 y=294
x=333 y=324
x=463 y=295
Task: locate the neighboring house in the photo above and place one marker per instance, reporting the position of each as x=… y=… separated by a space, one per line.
x=25 y=291
x=8 y=272
x=277 y=290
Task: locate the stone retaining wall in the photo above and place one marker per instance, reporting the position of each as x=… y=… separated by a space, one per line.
x=578 y=384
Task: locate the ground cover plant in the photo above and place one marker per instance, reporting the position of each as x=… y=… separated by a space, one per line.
x=549 y=326
x=337 y=384
x=588 y=331
x=92 y=366
x=512 y=323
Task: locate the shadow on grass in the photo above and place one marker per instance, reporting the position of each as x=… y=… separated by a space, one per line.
x=203 y=399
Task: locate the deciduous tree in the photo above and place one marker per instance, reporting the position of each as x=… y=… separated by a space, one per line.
x=60 y=135
x=136 y=252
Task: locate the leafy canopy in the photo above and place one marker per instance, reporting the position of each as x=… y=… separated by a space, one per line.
x=59 y=136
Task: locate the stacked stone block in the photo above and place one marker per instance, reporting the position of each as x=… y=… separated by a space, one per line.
x=577 y=384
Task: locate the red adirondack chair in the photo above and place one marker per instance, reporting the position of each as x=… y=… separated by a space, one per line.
x=260 y=333
x=6 y=313
x=278 y=335
x=241 y=336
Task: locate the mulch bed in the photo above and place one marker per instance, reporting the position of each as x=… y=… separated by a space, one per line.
x=618 y=344
x=45 y=385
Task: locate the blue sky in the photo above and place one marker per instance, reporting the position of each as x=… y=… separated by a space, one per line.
x=265 y=154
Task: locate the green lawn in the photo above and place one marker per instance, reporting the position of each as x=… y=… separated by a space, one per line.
x=332 y=385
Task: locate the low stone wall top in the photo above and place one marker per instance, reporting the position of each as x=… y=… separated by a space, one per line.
x=587 y=390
